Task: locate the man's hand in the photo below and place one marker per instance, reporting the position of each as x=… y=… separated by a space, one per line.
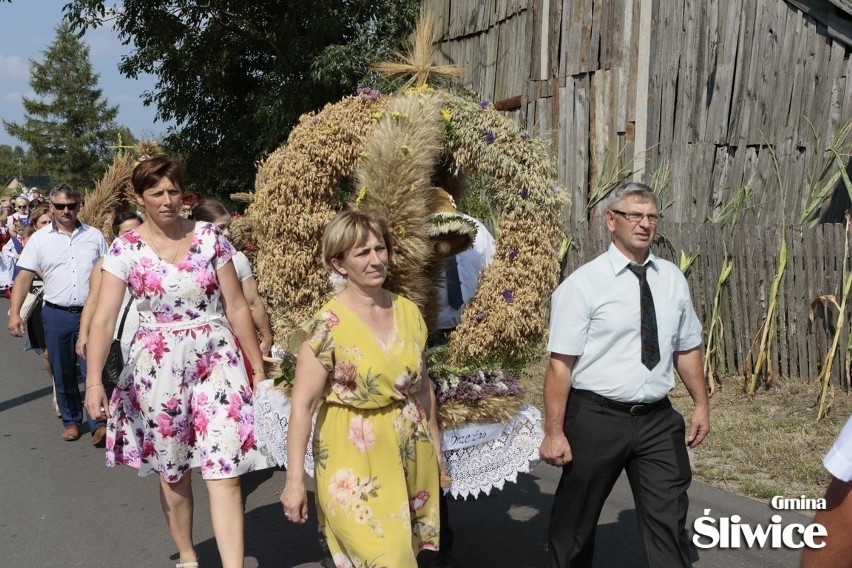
x=16 y=325
x=699 y=426
x=555 y=450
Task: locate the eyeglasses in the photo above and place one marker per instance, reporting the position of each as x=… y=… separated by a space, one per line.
x=62 y=206
x=22 y=206
x=653 y=218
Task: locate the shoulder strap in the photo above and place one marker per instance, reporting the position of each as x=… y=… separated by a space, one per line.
x=124 y=318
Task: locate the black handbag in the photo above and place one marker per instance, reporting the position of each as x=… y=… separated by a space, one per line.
x=114 y=363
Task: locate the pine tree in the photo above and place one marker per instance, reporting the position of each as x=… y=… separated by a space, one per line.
x=69 y=124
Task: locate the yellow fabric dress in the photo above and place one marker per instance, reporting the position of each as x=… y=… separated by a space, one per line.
x=377 y=477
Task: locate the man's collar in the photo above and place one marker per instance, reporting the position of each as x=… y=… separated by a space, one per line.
x=619 y=262
x=77 y=225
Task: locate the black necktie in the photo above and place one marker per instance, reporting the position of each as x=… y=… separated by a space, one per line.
x=454 y=291
x=650 y=339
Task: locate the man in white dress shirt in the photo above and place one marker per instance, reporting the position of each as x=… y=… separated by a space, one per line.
x=63 y=253
x=618 y=325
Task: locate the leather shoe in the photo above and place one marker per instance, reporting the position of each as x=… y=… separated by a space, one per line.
x=99 y=437
x=71 y=432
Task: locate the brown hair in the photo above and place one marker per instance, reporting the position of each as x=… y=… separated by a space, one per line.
x=351 y=228
x=122 y=217
x=38 y=212
x=149 y=173
x=209 y=210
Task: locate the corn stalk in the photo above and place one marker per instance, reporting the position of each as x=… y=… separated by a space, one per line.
x=727 y=217
x=686 y=261
x=820 y=185
x=715 y=334
x=767 y=328
x=612 y=174
x=825 y=373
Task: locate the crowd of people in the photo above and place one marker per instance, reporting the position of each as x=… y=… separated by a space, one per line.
x=619 y=327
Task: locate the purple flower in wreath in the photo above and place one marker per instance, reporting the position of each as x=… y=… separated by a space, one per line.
x=489 y=137
x=512 y=255
x=368 y=93
x=483 y=104
x=526 y=136
x=508 y=297
x=479 y=317
x=554 y=188
x=524 y=193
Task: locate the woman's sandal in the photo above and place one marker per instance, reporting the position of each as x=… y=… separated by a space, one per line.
x=188 y=564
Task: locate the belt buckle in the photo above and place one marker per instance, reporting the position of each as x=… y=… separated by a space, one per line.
x=636 y=409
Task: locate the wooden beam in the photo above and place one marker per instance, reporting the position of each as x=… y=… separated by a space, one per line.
x=823 y=11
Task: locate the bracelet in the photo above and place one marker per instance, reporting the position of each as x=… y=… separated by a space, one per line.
x=94 y=385
x=256 y=373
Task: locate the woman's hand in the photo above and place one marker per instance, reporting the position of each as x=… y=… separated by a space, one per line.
x=80 y=348
x=257 y=377
x=97 y=403
x=294 y=498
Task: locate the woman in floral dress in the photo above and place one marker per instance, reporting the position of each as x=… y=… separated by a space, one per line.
x=377 y=478
x=183 y=400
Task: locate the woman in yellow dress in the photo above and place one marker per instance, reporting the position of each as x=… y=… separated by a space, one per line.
x=377 y=477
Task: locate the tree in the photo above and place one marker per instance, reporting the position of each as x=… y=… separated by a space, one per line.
x=12 y=162
x=69 y=125
x=235 y=75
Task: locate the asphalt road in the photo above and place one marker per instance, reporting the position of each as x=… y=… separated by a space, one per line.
x=60 y=507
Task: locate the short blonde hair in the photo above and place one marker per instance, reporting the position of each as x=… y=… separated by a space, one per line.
x=349 y=229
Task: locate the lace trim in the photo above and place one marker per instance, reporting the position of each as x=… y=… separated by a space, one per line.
x=271 y=420
x=480 y=468
x=475 y=469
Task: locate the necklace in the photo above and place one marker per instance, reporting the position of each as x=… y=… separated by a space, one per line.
x=157 y=249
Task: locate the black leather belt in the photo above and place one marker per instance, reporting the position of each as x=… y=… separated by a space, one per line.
x=72 y=309
x=638 y=409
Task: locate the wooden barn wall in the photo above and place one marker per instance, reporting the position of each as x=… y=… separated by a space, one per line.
x=723 y=79
x=703 y=89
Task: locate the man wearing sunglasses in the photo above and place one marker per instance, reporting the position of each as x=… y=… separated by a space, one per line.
x=618 y=325
x=63 y=253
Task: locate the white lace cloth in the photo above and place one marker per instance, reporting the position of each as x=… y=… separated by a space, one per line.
x=271 y=420
x=479 y=457
x=485 y=466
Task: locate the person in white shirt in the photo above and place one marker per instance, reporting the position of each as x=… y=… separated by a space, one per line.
x=63 y=253
x=470 y=265
x=618 y=326
x=123 y=223
x=836 y=518
x=213 y=211
x=21 y=214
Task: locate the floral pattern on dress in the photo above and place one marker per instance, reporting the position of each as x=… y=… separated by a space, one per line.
x=184 y=399
x=376 y=466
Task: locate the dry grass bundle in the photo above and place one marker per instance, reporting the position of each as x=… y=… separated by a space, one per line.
x=455 y=413
x=508 y=314
x=112 y=194
x=394 y=177
x=399 y=142
x=296 y=193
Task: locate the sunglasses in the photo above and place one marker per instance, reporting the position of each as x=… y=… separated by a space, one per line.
x=62 y=206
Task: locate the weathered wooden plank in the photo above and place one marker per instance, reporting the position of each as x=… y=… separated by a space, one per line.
x=775 y=18
x=592 y=51
x=836 y=88
x=719 y=105
x=780 y=99
x=740 y=109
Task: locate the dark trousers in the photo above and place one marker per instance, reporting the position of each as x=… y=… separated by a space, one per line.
x=604 y=442
x=61 y=329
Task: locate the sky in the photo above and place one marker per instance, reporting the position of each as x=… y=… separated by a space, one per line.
x=27 y=31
